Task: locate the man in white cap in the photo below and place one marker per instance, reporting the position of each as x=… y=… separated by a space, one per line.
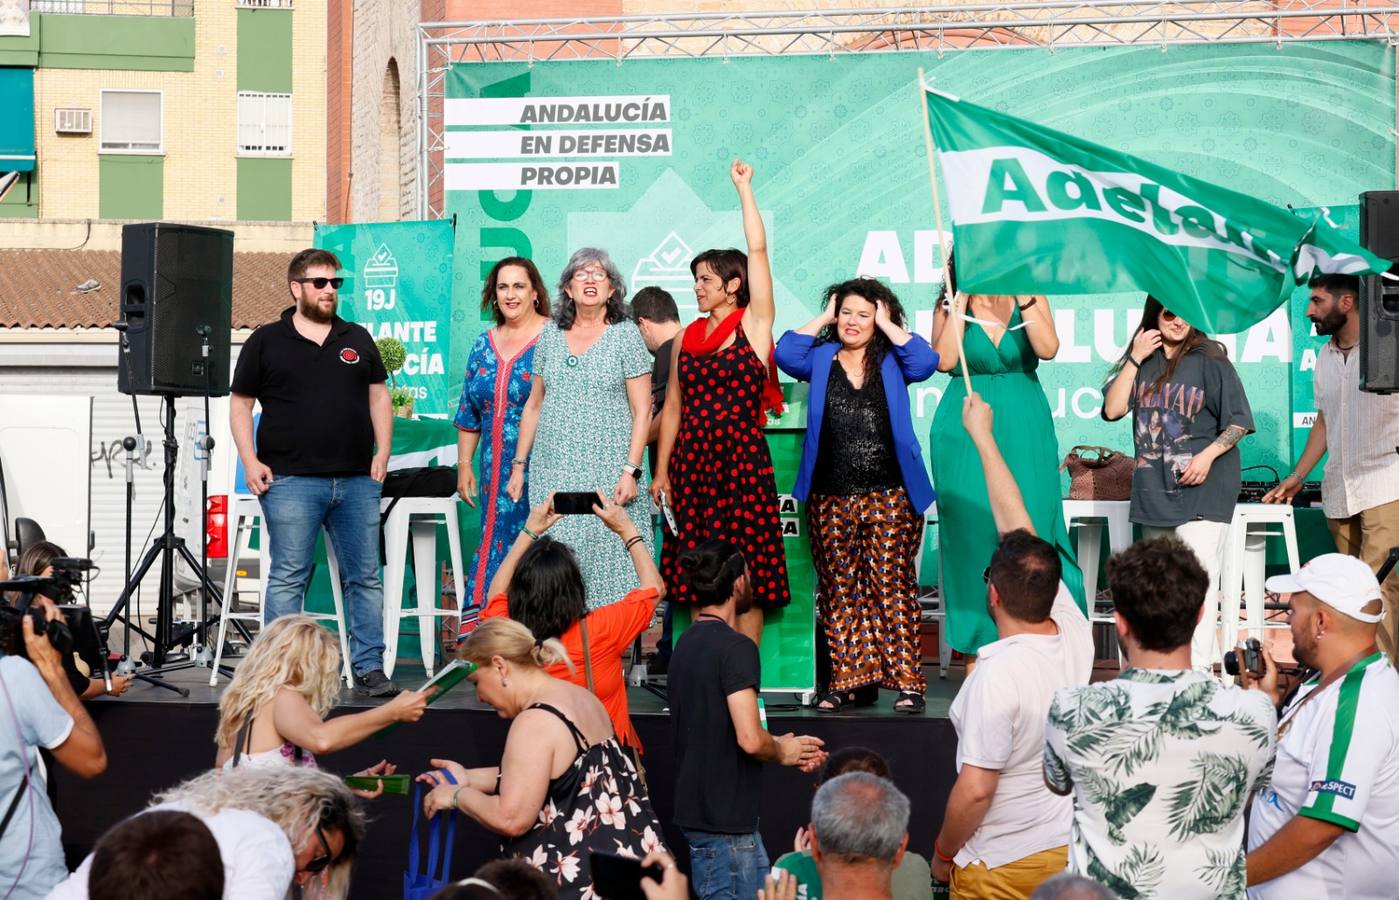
x=1328 y=824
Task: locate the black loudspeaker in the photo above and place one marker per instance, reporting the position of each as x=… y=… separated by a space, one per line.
x=1379 y=297
x=176 y=301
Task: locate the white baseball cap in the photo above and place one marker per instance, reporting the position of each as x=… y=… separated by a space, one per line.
x=1342 y=582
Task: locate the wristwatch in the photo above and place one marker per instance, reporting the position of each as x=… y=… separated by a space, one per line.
x=633 y=468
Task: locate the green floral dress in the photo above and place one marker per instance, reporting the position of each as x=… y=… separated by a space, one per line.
x=581 y=444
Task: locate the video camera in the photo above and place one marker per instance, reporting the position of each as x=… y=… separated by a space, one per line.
x=73 y=632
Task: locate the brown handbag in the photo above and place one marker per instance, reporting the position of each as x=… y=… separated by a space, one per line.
x=1098 y=473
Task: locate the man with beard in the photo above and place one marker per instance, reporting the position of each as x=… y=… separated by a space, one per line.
x=321 y=455
x=1328 y=823
x=720 y=738
x=1358 y=433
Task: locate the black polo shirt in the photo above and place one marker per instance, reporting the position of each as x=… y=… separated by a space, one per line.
x=315 y=398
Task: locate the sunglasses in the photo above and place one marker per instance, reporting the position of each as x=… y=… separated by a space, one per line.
x=320 y=283
x=323 y=859
x=986 y=574
x=1168 y=316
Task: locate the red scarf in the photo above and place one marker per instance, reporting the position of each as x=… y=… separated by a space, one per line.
x=697 y=343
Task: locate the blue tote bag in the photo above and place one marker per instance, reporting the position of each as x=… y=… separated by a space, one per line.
x=418 y=883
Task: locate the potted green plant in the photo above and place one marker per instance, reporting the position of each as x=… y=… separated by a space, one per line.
x=393 y=353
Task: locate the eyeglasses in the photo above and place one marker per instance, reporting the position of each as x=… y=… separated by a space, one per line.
x=320 y=283
x=590 y=275
x=323 y=859
x=986 y=574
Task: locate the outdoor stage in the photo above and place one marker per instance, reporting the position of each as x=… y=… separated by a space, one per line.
x=156 y=738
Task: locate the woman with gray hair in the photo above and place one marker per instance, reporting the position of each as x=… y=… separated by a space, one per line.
x=274 y=826
x=585 y=424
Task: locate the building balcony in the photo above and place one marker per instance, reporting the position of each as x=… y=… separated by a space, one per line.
x=165 y=8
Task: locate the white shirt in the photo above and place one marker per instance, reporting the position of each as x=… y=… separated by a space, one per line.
x=1000 y=716
x=1362 y=432
x=1338 y=761
x=1161 y=764
x=258 y=863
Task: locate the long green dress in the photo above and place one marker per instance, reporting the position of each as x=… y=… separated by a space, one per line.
x=1005 y=378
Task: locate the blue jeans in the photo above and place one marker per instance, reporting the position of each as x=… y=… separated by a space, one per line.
x=726 y=866
x=294 y=509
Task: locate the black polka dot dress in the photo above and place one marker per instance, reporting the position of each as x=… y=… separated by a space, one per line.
x=721 y=472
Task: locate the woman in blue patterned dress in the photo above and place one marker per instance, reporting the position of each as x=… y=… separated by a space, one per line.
x=590 y=407
x=499 y=370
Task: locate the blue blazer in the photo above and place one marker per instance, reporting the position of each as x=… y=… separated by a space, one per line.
x=802 y=358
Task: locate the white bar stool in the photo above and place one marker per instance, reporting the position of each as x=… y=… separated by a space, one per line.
x=1089 y=516
x=247 y=511
x=1245 y=558
x=417 y=519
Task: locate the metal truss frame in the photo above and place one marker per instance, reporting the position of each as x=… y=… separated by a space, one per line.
x=1047 y=25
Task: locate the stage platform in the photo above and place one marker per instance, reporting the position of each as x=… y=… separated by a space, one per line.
x=155 y=738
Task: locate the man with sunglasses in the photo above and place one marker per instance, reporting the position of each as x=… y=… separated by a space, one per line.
x=321 y=454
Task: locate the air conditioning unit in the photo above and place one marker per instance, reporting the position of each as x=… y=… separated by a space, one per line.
x=72 y=121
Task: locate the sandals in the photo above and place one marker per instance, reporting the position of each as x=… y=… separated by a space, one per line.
x=911 y=703
x=833 y=701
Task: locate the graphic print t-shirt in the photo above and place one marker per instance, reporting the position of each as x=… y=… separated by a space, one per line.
x=1173 y=422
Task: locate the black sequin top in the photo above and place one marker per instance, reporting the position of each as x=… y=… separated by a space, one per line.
x=856 y=454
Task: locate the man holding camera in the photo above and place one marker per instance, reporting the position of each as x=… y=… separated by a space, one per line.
x=1328 y=823
x=1160 y=761
x=41 y=711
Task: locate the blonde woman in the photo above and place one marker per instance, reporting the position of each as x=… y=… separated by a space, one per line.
x=273 y=713
x=274 y=828
x=563 y=788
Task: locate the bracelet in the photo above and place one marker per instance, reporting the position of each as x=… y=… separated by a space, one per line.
x=632 y=541
x=1131 y=359
x=516 y=462
x=532 y=535
x=937 y=851
x=1292 y=475
x=1033 y=301
x=455 y=795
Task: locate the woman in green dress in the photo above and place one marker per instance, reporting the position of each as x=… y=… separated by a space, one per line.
x=1004 y=339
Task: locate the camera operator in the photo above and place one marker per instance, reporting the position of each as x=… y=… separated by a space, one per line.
x=37 y=560
x=41 y=711
x=1328 y=823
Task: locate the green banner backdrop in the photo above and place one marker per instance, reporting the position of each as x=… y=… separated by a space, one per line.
x=542 y=159
x=398 y=283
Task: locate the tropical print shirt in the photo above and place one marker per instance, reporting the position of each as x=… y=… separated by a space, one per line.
x=1161 y=764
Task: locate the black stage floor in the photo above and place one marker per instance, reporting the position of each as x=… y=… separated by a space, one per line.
x=155 y=738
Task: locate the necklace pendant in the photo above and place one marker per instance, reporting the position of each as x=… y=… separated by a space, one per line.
x=572 y=361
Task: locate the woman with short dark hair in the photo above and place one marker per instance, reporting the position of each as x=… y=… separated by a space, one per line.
x=713 y=466
x=1190 y=413
x=865 y=487
x=498 y=379
x=585 y=425
x=540 y=585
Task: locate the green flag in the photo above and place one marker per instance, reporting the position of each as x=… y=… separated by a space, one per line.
x=1037 y=211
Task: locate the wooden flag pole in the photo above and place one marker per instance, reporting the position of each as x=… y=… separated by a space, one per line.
x=958 y=302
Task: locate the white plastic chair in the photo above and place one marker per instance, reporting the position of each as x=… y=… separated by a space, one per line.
x=1089 y=517
x=417 y=519
x=1245 y=558
x=246 y=511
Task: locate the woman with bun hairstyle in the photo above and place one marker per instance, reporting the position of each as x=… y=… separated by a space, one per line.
x=564 y=787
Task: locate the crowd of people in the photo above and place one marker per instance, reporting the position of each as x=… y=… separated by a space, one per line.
x=1131 y=787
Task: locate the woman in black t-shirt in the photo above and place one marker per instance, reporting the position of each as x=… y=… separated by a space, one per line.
x=1190 y=413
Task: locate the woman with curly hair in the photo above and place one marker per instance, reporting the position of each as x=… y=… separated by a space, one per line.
x=274 y=828
x=564 y=787
x=865 y=486
x=587 y=419
x=273 y=712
